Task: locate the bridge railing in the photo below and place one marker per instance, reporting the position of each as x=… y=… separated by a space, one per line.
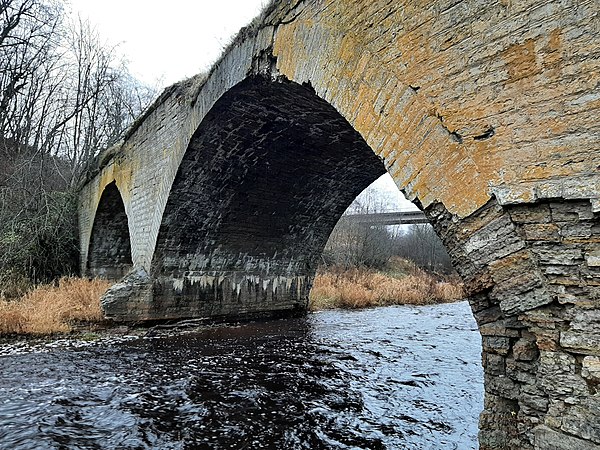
x=387 y=218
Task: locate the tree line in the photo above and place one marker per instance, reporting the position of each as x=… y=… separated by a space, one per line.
x=64 y=95
x=354 y=244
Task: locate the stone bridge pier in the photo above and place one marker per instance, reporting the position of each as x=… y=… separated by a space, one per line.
x=220 y=198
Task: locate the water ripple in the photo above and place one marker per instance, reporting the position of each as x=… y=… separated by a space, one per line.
x=387 y=378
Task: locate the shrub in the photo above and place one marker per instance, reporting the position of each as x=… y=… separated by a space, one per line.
x=53 y=308
x=361 y=288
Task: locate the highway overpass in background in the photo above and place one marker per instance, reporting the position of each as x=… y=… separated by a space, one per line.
x=387 y=218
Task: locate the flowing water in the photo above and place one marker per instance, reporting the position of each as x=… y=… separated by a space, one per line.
x=386 y=378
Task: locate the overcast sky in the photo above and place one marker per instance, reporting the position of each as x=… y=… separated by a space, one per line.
x=165 y=41
x=168 y=39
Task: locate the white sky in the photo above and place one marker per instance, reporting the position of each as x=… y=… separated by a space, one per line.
x=165 y=41
x=168 y=39
x=392 y=199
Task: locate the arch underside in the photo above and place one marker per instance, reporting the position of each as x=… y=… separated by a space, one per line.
x=109 y=254
x=263 y=182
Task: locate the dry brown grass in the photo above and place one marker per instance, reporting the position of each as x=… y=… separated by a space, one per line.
x=53 y=309
x=363 y=288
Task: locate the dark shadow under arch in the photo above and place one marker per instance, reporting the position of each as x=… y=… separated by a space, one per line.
x=264 y=180
x=109 y=254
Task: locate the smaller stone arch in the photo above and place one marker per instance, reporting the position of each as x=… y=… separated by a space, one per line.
x=109 y=254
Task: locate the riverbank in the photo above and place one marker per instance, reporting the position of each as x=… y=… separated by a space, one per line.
x=53 y=308
x=64 y=307
x=402 y=284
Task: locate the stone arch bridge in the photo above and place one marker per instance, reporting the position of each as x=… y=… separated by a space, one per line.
x=221 y=197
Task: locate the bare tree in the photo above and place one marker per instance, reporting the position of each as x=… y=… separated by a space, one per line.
x=353 y=244
x=27 y=38
x=63 y=97
x=421 y=244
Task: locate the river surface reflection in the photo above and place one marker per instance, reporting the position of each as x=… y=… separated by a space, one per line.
x=386 y=378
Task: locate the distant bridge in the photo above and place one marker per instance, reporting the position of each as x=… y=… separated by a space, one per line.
x=388 y=218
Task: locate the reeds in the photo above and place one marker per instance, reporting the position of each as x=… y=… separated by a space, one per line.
x=53 y=308
x=56 y=308
x=364 y=288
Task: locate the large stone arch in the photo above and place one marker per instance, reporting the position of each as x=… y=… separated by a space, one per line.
x=264 y=180
x=109 y=253
x=486 y=116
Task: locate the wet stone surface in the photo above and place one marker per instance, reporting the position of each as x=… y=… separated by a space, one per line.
x=388 y=378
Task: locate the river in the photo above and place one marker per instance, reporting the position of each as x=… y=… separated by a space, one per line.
x=386 y=378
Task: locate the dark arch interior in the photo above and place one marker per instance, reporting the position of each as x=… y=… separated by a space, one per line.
x=263 y=182
x=109 y=253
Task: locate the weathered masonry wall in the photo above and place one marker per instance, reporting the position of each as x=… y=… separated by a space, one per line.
x=110 y=248
x=533 y=274
x=263 y=182
x=485 y=114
